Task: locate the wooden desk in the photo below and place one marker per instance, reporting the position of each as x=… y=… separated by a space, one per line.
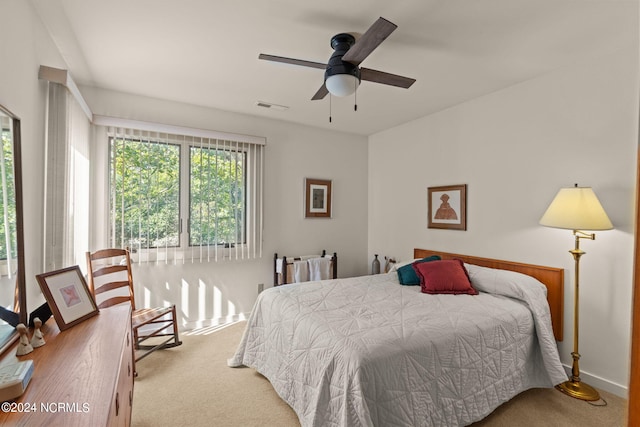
x=82 y=376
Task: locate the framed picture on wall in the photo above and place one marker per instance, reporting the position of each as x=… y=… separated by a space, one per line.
x=68 y=296
x=448 y=207
x=317 y=198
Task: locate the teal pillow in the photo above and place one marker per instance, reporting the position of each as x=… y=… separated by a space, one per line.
x=407 y=275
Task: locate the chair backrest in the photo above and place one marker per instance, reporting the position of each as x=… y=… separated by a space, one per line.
x=110 y=278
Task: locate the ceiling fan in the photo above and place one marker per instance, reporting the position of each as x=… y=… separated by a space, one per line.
x=342 y=73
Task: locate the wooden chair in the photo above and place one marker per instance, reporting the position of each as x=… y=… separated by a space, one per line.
x=111 y=283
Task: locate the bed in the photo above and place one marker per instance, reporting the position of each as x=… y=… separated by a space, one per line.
x=367 y=351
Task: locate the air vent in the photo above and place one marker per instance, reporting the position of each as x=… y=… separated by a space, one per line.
x=271 y=106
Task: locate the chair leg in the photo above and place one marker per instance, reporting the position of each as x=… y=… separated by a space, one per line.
x=176 y=339
x=135 y=339
x=134 y=345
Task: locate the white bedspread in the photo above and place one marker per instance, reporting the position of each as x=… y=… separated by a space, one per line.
x=367 y=351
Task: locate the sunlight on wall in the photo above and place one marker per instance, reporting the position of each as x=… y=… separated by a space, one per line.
x=79 y=210
x=231 y=309
x=184 y=304
x=199 y=303
x=217 y=303
x=202 y=300
x=166 y=302
x=147 y=297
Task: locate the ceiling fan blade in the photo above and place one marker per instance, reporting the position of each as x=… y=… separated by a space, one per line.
x=370 y=40
x=321 y=93
x=300 y=62
x=385 y=78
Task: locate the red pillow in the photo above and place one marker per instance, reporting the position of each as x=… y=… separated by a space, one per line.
x=444 y=277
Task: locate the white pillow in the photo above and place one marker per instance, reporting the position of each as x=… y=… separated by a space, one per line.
x=503 y=282
x=397 y=265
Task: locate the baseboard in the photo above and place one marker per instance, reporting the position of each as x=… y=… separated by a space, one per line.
x=208 y=323
x=601 y=383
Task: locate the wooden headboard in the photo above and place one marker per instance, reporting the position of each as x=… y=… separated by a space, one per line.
x=552 y=278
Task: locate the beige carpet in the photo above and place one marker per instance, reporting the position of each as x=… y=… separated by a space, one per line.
x=191 y=385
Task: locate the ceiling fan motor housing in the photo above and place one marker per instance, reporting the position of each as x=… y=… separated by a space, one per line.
x=341 y=44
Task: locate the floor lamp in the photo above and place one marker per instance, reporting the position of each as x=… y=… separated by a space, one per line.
x=577 y=208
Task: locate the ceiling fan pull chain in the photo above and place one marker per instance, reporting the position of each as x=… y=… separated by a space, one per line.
x=355 y=98
x=329 y=108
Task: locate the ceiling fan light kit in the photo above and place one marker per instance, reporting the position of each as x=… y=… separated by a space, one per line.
x=342 y=84
x=341 y=78
x=342 y=74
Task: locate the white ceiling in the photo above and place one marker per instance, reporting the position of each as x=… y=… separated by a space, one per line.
x=205 y=52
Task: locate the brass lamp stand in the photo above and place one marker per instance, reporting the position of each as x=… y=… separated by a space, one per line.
x=577 y=208
x=574 y=387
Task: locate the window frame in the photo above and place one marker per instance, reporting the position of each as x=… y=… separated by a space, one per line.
x=184 y=249
x=185 y=237
x=255 y=148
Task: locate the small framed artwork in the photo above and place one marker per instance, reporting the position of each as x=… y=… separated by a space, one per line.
x=317 y=198
x=68 y=296
x=448 y=207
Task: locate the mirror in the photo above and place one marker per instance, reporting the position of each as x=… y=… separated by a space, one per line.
x=13 y=301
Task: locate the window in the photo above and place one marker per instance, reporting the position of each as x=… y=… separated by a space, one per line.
x=8 y=235
x=216 y=196
x=145 y=193
x=178 y=197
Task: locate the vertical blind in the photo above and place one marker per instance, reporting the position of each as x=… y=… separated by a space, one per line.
x=66 y=219
x=176 y=198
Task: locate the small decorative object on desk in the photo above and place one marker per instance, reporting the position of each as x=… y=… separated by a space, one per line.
x=390 y=262
x=37 y=340
x=375 y=265
x=23 y=346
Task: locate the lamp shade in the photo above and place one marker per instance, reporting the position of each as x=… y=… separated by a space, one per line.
x=342 y=84
x=576 y=208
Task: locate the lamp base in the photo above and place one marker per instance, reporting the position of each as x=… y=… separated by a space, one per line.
x=579 y=390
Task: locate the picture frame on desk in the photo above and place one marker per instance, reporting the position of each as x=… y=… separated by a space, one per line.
x=68 y=296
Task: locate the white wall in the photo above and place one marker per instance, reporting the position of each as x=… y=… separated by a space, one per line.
x=24 y=45
x=515 y=149
x=215 y=292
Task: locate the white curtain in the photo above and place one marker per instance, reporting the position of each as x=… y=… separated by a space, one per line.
x=66 y=225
